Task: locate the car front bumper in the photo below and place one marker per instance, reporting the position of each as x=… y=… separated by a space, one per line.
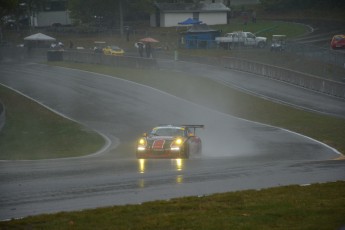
x=161 y=154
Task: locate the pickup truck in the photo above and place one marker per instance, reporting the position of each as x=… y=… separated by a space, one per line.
x=241 y=38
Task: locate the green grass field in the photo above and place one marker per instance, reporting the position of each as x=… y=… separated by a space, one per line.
x=33 y=132
x=319 y=206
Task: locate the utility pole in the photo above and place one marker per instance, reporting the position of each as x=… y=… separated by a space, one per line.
x=121 y=17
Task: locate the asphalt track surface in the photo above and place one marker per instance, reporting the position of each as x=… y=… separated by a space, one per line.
x=237 y=154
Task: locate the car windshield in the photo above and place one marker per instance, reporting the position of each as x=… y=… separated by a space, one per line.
x=115 y=48
x=167 y=132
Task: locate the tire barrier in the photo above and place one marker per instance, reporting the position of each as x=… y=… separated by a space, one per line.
x=22 y=54
x=304 y=80
x=115 y=61
x=54 y=55
x=2 y=116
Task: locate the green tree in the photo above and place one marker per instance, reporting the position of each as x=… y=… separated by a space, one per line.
x=19 y=8
x=109 y=11
x=286 y=5
x=7 y=7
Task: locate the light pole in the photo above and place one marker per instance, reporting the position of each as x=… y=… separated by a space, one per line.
x=121 y=18
x=27 y=11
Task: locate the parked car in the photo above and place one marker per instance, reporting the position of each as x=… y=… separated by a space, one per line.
x=241 y=38
x=113 y=50
x=99 y=45
x=338 y=41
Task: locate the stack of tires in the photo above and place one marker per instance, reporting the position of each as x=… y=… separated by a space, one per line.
x=55 y=55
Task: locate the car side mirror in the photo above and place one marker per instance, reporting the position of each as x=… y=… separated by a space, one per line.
x=144 y=134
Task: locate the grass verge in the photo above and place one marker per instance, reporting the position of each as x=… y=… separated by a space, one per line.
x=33 y=132
x=319 y=206
x=169 y=36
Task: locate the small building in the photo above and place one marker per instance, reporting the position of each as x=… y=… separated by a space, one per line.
x=53 y=13
x=199 y=36
x=170 y=14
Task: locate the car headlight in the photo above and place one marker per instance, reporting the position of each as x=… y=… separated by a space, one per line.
x=176 y=144
x=142 y=141
x=142 y=144
x=178 y=141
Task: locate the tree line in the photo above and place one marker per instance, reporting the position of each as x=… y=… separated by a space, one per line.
x=111 y=13
x=290 y=5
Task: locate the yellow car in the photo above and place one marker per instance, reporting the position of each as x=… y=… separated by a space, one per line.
x=113 y=50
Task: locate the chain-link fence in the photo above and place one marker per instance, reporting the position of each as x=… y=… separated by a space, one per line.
x=319 y=61
x=325 y=55
x=311 y=59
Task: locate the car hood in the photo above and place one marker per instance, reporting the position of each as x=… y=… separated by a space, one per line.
x=169 y=138
x=261 y=38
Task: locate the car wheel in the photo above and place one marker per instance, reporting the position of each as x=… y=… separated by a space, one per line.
x=261 y=45
x=185 y=153
x=138 y=156
x=199 y=149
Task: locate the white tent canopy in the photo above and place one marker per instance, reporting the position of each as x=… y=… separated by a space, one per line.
x=39 y=37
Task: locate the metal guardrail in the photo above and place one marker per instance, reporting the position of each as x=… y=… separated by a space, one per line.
x=308 y=81
x=298 y=78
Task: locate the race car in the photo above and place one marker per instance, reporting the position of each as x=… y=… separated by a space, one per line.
x=169 y=141
x=113 y=50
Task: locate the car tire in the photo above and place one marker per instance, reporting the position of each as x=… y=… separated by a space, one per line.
x=185 y=153
x=138 y=156
x=261 y=45
x=199 y=149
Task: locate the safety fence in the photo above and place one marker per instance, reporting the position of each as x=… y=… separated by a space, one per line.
x=22 y=53
x=308 y=81
x=325 y=55
x=116 y=61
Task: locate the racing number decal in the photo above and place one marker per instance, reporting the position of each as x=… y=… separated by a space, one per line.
x=158 y=144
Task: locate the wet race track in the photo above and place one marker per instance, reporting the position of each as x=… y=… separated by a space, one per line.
x=237 y=154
